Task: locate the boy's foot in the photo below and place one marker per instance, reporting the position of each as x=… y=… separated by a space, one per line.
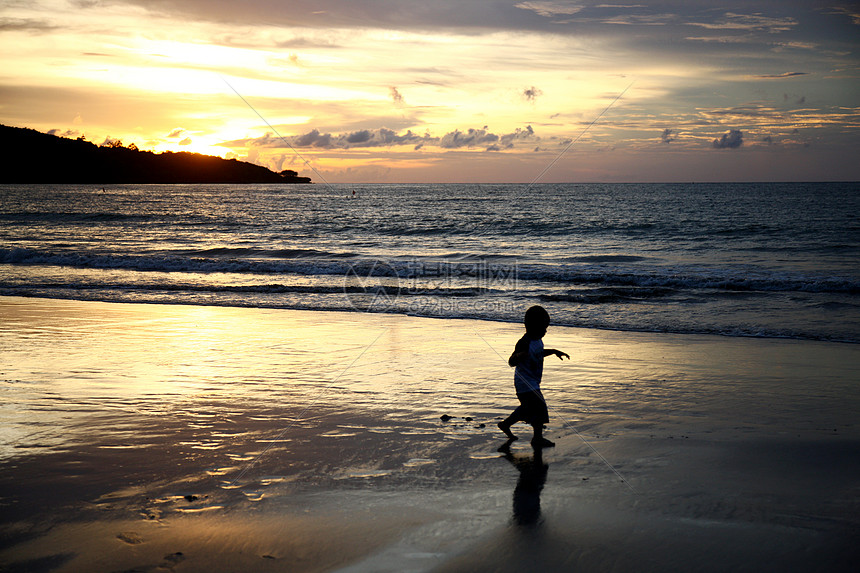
x=507 y=430
x=542 y=443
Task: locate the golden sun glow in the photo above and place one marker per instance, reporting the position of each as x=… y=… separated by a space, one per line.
x=512 y=89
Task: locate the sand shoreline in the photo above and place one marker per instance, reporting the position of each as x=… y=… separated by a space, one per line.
x=139 y=437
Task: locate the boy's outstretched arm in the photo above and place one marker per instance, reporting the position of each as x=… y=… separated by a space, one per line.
x=549 y=351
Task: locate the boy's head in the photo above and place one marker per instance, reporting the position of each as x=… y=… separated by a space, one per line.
x=536 y=321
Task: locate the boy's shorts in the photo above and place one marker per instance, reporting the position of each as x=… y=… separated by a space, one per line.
x=532 y=408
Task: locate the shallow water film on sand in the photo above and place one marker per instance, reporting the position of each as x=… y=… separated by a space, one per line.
x=142 y=437
x=741 y=259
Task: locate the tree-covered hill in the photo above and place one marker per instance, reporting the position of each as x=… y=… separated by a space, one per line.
x=30 y=156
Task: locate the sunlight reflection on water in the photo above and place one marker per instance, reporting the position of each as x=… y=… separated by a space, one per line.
x=77 y=375
x=212 y=420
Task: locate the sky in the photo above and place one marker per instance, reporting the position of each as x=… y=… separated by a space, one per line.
x=451 y=90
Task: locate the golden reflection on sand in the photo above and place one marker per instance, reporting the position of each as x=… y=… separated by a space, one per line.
x=146 y=436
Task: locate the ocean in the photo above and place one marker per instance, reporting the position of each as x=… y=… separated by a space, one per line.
x=740 y=259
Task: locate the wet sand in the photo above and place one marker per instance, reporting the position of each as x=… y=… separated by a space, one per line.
x=153 y=437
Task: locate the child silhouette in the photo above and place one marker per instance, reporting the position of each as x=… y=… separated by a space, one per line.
x=527 y=359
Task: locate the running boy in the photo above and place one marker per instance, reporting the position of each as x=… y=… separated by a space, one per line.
x=528 y=359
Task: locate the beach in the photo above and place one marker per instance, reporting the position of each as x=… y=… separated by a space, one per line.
x=147 y=437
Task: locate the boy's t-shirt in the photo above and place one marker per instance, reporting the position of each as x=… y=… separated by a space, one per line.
x=528 y=372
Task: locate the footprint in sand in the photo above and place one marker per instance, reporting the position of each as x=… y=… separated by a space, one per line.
x=130 y=537
x=172 y=560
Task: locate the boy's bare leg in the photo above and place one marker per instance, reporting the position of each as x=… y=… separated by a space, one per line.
x=538 y=441
x=505 y=426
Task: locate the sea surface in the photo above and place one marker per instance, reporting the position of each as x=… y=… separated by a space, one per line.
x=741 y=259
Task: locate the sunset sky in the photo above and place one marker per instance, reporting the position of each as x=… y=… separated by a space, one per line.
x=451 y=91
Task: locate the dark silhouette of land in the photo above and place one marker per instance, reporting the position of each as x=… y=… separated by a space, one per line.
x=34 y=157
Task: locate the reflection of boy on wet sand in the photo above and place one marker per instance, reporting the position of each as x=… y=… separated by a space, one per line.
x=527 y=493
x=528 y=359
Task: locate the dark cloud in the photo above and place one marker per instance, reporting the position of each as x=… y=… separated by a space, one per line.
x=854 y=13
x=396 y=97
x=550 y=9
x=66 y=133
x=518 y=134
x=732 y=139
x=362 y=136
x=382 y=137
x=483 y=138
x=748 y=110
x=176 y=133
x=186 y=141
x=749 y=22
x=641 y=19
x=783 y=75
x=385 y=137
x=547 y=15
x=310 y=14
x=469 y=138
x=25 y=25
x=668 y=135
x=306 y=43
x=311 y=139
x=532 y=93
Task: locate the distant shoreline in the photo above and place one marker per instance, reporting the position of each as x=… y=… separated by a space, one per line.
x=35 y=157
